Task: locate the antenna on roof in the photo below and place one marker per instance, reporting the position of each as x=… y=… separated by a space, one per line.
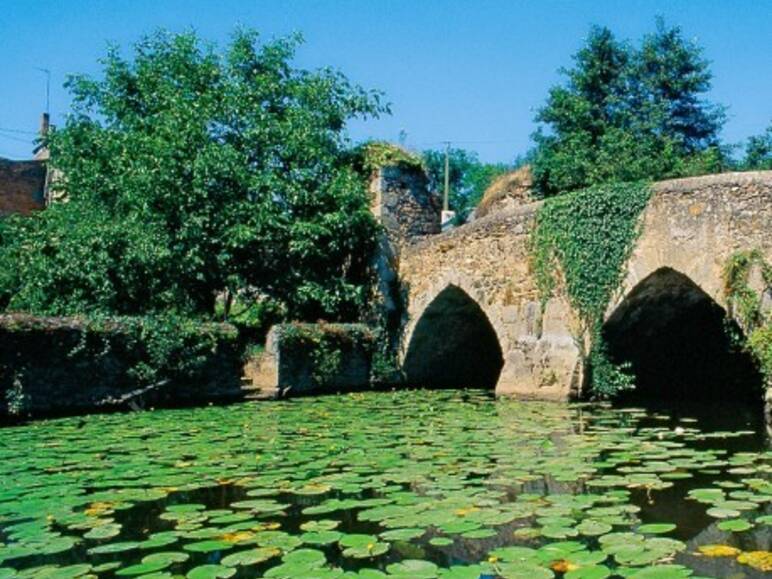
x=48 y=88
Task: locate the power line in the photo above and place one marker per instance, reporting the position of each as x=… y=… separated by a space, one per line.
x=20 y=140
x=12 y=156
x=490 y=142
x=20 y=131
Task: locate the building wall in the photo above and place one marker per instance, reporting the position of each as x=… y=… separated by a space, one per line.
x=22 y=186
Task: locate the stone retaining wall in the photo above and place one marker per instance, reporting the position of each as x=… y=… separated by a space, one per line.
x=304 y=359
x=64 y=366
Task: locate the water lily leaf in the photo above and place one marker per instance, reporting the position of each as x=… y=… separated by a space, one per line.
x=718 y=550
x=656 y=528
x=593 y=528
x=441 y=542
x=402 y=534
x=366 y=551
x=465 y=572
x=663 y=572
x=559 y=532
x=250 y=557
x=320 y=525
x=414 y=568
x=169 y=557
x=208 y=546
x=68 y=572
x=515 y=554
x=211 y=572
x=357 y=540
x=321 y=537
x=113 y=548
x=734 y=525
x=479 y=534
x=590 y=572
x=525 y=571
x=105 y=567
x=107 y=531
x=761 y=560
x=142 y=568
x=306 y=557
x=720 y=513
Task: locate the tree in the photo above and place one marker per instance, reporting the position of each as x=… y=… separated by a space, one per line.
x=626 y=113
x=671 y=74
x=758 y=151
x=191 y=173
x=468 y=177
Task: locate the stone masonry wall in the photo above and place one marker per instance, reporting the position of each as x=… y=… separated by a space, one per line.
x=694 y=225
x=488 y=259
x=403 y=204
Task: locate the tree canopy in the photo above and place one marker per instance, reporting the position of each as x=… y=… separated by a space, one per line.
x=628 y=112
x=758 y=151
x=192 y=172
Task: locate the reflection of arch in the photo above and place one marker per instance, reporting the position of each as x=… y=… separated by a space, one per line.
x=676 y=338
x=453 y=344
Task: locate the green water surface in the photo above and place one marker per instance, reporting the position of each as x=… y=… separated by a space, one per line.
x=414 y=483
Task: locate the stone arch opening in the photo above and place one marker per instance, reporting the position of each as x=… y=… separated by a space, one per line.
x=679 y=344
x=453 y=345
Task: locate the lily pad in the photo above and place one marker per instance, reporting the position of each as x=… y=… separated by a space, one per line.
x=211 y=572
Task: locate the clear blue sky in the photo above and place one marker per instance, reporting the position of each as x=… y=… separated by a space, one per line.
x=469 y=71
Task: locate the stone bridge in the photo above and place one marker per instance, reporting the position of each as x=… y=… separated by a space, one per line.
x=472 y=313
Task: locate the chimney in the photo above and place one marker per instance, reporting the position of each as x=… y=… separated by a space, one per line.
x=41 y=150
x=45 y=121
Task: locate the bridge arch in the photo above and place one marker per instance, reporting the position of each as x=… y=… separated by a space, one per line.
x=678 y=341
x=452 y=343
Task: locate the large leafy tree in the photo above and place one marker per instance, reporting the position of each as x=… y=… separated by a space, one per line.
x=192 y=173
x=625 y=113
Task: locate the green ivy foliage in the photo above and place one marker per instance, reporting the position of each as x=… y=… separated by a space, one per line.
x=582 y=240
x=744 y=305
x=373 y=155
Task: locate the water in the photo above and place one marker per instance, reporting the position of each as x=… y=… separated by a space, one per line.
x=413 y=484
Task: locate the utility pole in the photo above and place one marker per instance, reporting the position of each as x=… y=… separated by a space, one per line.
x=445 y=200
x=48 y=88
